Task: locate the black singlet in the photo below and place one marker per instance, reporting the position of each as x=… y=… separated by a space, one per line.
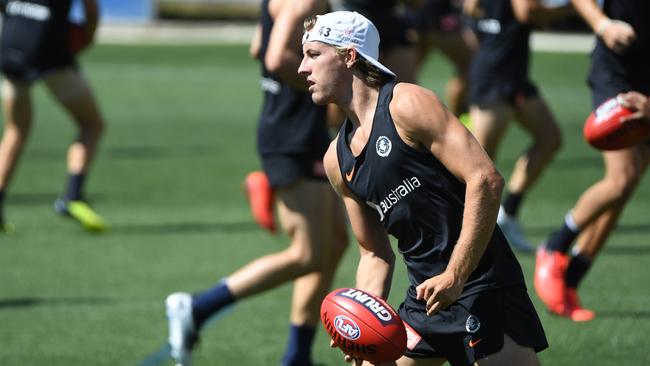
x=34 y=37
x=611 y=72
x=419 y=202
x=504 y=50
x=289 y=122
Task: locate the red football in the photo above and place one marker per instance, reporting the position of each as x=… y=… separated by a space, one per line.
x=363 y=325
x=605 y=131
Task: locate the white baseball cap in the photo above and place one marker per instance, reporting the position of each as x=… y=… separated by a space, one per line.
x=348 y=29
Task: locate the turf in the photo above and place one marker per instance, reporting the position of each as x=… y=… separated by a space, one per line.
x=180 y=138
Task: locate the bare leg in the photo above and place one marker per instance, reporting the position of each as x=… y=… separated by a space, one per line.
x=490 y=124
x=511 y=354
x=535 y=116
x=17 y=107
x=402 y=60
x=623 y=171
x=459 y=48
x=302 y=218
x=309 y=290
x=72 y=90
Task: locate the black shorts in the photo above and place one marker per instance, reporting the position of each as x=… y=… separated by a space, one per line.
x=606 y=83
x=486 y=91
x=474 y=326
x=285 y=169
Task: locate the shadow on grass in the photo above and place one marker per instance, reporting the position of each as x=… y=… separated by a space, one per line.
x=624 y=314
x=41 y=198
x=25 y=302
x=640 y=228
x=183 y=228
x=49 y=154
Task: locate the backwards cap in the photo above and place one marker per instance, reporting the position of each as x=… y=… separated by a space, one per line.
x=348 y=29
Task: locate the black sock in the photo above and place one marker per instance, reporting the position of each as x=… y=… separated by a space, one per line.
x=209 y=302
x=578 y=266
x=511 y=203
x=561 y=240
x=75 y=187
x=298 y=352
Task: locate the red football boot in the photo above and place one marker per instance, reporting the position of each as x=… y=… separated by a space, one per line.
x=572 y=308
x=261 y=199
x=550 y=268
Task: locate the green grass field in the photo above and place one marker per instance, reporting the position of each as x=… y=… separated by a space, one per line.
x=180 y=138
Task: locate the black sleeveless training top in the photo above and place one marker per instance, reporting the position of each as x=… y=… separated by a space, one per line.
x=419 y=202
x=34 y=36
x=289 y=122
x=504 y=50
x=631 y=65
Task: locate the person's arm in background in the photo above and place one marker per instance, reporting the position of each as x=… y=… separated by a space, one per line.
x=91 y=16
x=616 y=34
x=256 y=42
x=284 y=52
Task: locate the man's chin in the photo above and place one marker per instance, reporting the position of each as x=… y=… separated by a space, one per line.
x=318 y=100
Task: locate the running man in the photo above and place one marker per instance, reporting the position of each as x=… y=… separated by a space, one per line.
x=619 y=68
x=501 y=91
x=292 y=138
x=37 y=44
x=406 y=166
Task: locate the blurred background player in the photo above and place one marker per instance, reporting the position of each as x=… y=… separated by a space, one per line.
x=292 y=139
x=500 y=91
x=39 y=43
x=440 y=26
x=619 y=64
x=404 y=165
x=398 y=38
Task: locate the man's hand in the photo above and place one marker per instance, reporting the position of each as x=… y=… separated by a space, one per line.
x=347 y=357
x=638 y=103
x=440 y=291
x=616 y=34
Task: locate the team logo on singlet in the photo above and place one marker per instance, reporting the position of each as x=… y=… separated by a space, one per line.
x=472 y=325
x=394 y=195
x=28 y=10
x=383 y=146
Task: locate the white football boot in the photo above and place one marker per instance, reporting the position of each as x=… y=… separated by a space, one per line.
x=512 y=231
x=182 y=333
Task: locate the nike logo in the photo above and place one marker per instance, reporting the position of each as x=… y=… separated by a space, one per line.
x=348 y=176
x=473 y=343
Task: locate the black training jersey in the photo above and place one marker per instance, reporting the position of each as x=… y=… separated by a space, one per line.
x=503 y=43
x=34 y=35
x=289 y=122
x=419 y=202
x=633 y=64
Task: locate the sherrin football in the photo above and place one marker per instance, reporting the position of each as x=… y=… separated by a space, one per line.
x=363 y=325
x=604 y=130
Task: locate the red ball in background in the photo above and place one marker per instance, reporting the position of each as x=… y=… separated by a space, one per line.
x=363 y=325
x=78 y=38
x=604 y=130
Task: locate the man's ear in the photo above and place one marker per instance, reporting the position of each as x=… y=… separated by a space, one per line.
x=351 y=57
